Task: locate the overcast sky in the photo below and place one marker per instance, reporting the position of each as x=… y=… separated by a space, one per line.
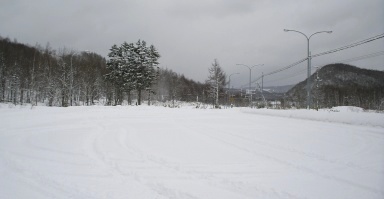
x=190 y=34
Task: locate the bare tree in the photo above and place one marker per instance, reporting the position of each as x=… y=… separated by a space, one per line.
x=216 y=80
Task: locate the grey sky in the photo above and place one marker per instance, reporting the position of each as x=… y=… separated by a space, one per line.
x=190 y=34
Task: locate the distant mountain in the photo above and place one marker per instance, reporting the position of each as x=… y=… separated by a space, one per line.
x=278 y=89
x=341 y=85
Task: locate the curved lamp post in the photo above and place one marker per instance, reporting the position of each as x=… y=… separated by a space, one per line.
x=309 y=62
x=250 y=77
x=229 y=85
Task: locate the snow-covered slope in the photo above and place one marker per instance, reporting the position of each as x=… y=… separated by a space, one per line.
x=157 y=152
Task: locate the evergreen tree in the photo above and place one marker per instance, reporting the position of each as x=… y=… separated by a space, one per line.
x=143 y=72
x=115 y=66
x=128 y=57
x=132 y=66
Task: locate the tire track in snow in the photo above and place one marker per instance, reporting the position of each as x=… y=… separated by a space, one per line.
x=30 y=174
x=153 y=163
x=310 y=155
x=241 y=187
x=285 y=162
x=210 y=179
x=112 y=154
x=110 y=166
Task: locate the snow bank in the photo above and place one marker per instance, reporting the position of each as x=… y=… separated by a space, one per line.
x=341 y=114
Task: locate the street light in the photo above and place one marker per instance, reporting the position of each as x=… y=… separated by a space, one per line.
x=229 y=85
x=309 y=62
x=250 y=77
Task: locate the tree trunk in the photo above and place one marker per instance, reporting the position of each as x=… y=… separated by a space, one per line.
x=138 y=97
x=129 y=98
x=50 y=101
x=14 y=96
x=71 y=96
x=21 y=96
x=149 y=98
x=63 y=99
x=3 y=90
x=217 y=96
x=87 y=96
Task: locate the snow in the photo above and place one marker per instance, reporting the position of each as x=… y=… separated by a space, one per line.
x=341 y=114
x=159 y=152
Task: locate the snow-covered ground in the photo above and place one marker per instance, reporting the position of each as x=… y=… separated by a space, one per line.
x=156 y=152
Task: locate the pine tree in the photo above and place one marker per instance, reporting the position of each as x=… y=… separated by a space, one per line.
x=152 y=70
x=132 y=66
x=115 y=66
x=128 y=58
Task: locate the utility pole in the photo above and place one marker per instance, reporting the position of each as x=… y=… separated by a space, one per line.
x=262 y=82
x=317 y=86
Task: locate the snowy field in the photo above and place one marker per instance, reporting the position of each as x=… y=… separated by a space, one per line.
x=185 y=153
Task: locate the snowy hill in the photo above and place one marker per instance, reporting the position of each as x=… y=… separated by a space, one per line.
x=156 y=152
x=343 y=85
x=278 y=89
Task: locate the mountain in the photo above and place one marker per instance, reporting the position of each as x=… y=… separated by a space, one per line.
x=278 y=89
x=341 y=85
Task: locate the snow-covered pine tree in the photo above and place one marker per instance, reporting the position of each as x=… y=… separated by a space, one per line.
x=139 y=68
x=153 y=70
x=132 y=66
x=145 y=73
x=115 y=66
x=128 y=58
x=216 y=80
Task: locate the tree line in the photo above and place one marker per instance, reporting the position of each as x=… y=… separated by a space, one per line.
x=42 y=75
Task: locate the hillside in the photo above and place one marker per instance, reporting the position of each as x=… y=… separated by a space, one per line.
x=342 y=84
x=278 y=89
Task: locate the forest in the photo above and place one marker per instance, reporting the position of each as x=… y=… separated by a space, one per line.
x=64 y=77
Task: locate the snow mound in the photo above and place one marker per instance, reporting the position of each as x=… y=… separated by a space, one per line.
x=347 y=109
x=342 y=114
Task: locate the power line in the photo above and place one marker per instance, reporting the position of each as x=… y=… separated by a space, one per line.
x=287 y=67
x=335 y=50
x=350 y=45
x=280 y=70
x=376 y=54
x=362 y=57
x=329 y=52
x=301 y=72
